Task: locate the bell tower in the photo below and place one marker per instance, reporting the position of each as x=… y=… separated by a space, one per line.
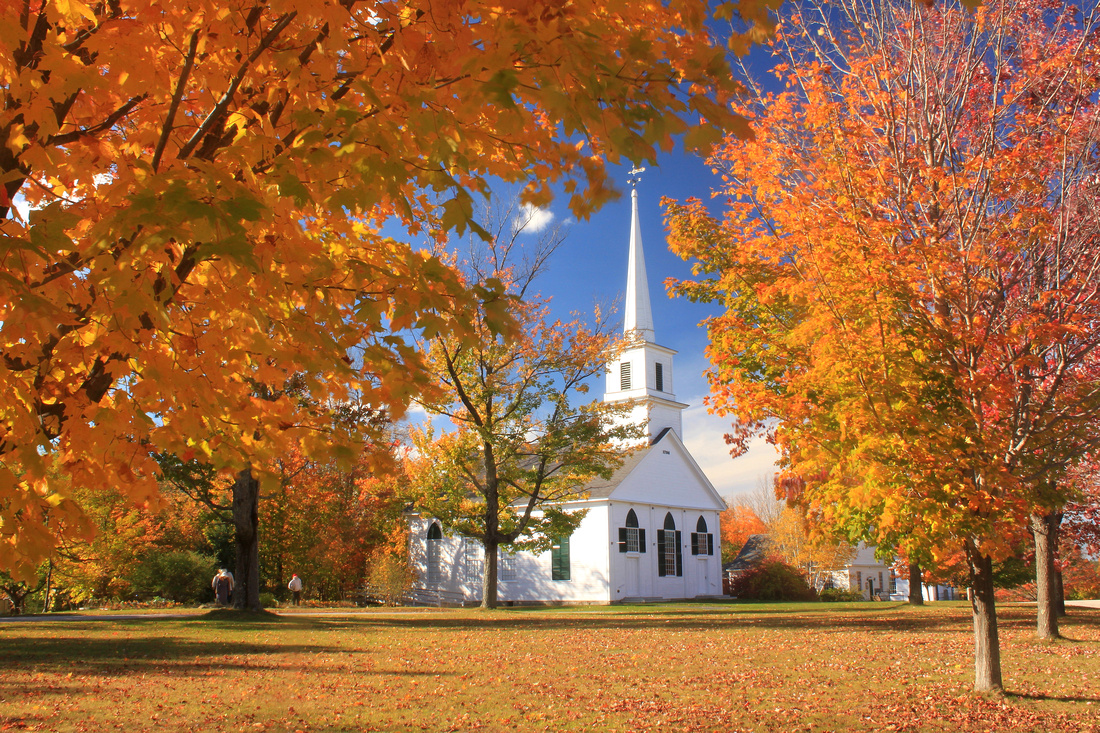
x=643 y=372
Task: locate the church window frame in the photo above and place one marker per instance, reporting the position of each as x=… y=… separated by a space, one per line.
x=560 y=566
x=474 y=556
x=702 y=540
x=507 y=563
x=631 y=537
x=670 y=557
x=434 y=542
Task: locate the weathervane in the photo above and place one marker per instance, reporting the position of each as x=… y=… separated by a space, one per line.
x=635 y=176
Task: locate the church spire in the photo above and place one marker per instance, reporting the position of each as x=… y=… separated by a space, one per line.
x=639 y=314
x=642 y=373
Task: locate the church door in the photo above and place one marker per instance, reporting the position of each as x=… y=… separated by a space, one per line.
x=633 y=578
x=703 y=579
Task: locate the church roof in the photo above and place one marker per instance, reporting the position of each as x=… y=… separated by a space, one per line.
x=601 y=488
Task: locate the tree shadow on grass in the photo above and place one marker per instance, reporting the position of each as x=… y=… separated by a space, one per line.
x=643 y=621
x=1054 y=698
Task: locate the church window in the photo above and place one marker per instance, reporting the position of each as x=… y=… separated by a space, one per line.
x=435 y=539
x=507 y=566
x=893 y=581
x=702 y=541
x=631 y=537
x=559 y=559
x=660 y=375
x=670 y=560
x=475 y=556
x=624 y=375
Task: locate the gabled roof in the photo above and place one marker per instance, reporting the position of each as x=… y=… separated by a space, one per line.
x=754 y=552
x=665 y=442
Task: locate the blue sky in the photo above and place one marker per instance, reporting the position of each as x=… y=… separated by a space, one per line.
x=590 y=267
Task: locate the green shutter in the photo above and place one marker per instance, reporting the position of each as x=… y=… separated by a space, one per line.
x=661 y=553
x=679 y=556
x=694 y=543
x=559 y=560
x=710 y=544
x=622 y=539
x=641 y=540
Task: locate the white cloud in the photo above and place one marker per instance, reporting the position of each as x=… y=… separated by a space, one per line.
x=703 y=436
x=533 y=219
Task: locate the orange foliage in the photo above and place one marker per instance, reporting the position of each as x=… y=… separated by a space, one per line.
x=738 y=524
x=208 y=181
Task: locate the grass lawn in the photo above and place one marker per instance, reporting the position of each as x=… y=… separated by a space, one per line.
x=720 y=666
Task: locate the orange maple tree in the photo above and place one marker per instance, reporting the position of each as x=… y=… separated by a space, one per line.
x=738 y=524
x=908 y=264
x=192 y=197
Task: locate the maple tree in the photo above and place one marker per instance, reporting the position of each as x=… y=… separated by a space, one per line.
x=191 y=197
x=520 y=447
x=738 y=524
x=908 y=262
x=815 y=554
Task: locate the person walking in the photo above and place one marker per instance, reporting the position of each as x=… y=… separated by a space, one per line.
x=223 y=586
x=295 y=586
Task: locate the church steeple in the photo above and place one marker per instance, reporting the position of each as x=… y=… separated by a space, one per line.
x=643 y=373
x=639 y=313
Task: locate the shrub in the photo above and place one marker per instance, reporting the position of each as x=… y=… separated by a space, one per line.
x=267 y=600
x=183 y=577
x=839 y=595
x=389 y=579
x=772 y=581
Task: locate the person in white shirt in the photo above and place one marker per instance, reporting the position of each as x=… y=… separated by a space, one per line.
x=295 y=586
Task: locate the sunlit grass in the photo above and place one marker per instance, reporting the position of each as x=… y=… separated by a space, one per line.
x=721 y=666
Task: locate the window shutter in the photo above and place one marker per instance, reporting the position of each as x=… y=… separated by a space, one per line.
x=661 y=553
x=622 y=539
x=641 y=539
x=559 y=560
x=679 y=555
x=710 y=544
x=694 y=543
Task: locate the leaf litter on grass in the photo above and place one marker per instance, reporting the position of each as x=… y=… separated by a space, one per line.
x=688 y=667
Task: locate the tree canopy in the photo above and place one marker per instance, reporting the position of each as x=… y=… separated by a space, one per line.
x=908 y=263
x=206 y=184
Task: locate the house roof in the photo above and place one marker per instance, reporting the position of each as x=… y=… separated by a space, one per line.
x=754 y=552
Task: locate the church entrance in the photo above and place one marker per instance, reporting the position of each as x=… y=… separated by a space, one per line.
x=702 y=583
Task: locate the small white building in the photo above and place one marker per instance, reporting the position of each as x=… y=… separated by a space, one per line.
x=876 y=579
x=651 y=531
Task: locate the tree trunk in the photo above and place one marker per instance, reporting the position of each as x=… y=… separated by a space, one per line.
x=1044 y=529
x=987 y=646
x=489 y=579
x=49 y=587
x=916 y=585
x=1060 y=589
x=246 y=502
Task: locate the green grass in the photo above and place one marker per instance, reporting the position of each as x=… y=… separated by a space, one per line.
x=720 y=666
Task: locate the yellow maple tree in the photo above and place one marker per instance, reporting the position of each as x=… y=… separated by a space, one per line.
x=192 y=193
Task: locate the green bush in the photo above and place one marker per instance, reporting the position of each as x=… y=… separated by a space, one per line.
x=268 y=600
x=839 y=595
x=183 y=577
x=772 y=581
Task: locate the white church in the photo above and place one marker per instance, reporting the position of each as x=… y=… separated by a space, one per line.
x=651 y=531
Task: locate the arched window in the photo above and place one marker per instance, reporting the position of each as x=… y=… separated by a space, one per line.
x=702 y=541
x=631 y=537
x=670 y=560
x=435 y=537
